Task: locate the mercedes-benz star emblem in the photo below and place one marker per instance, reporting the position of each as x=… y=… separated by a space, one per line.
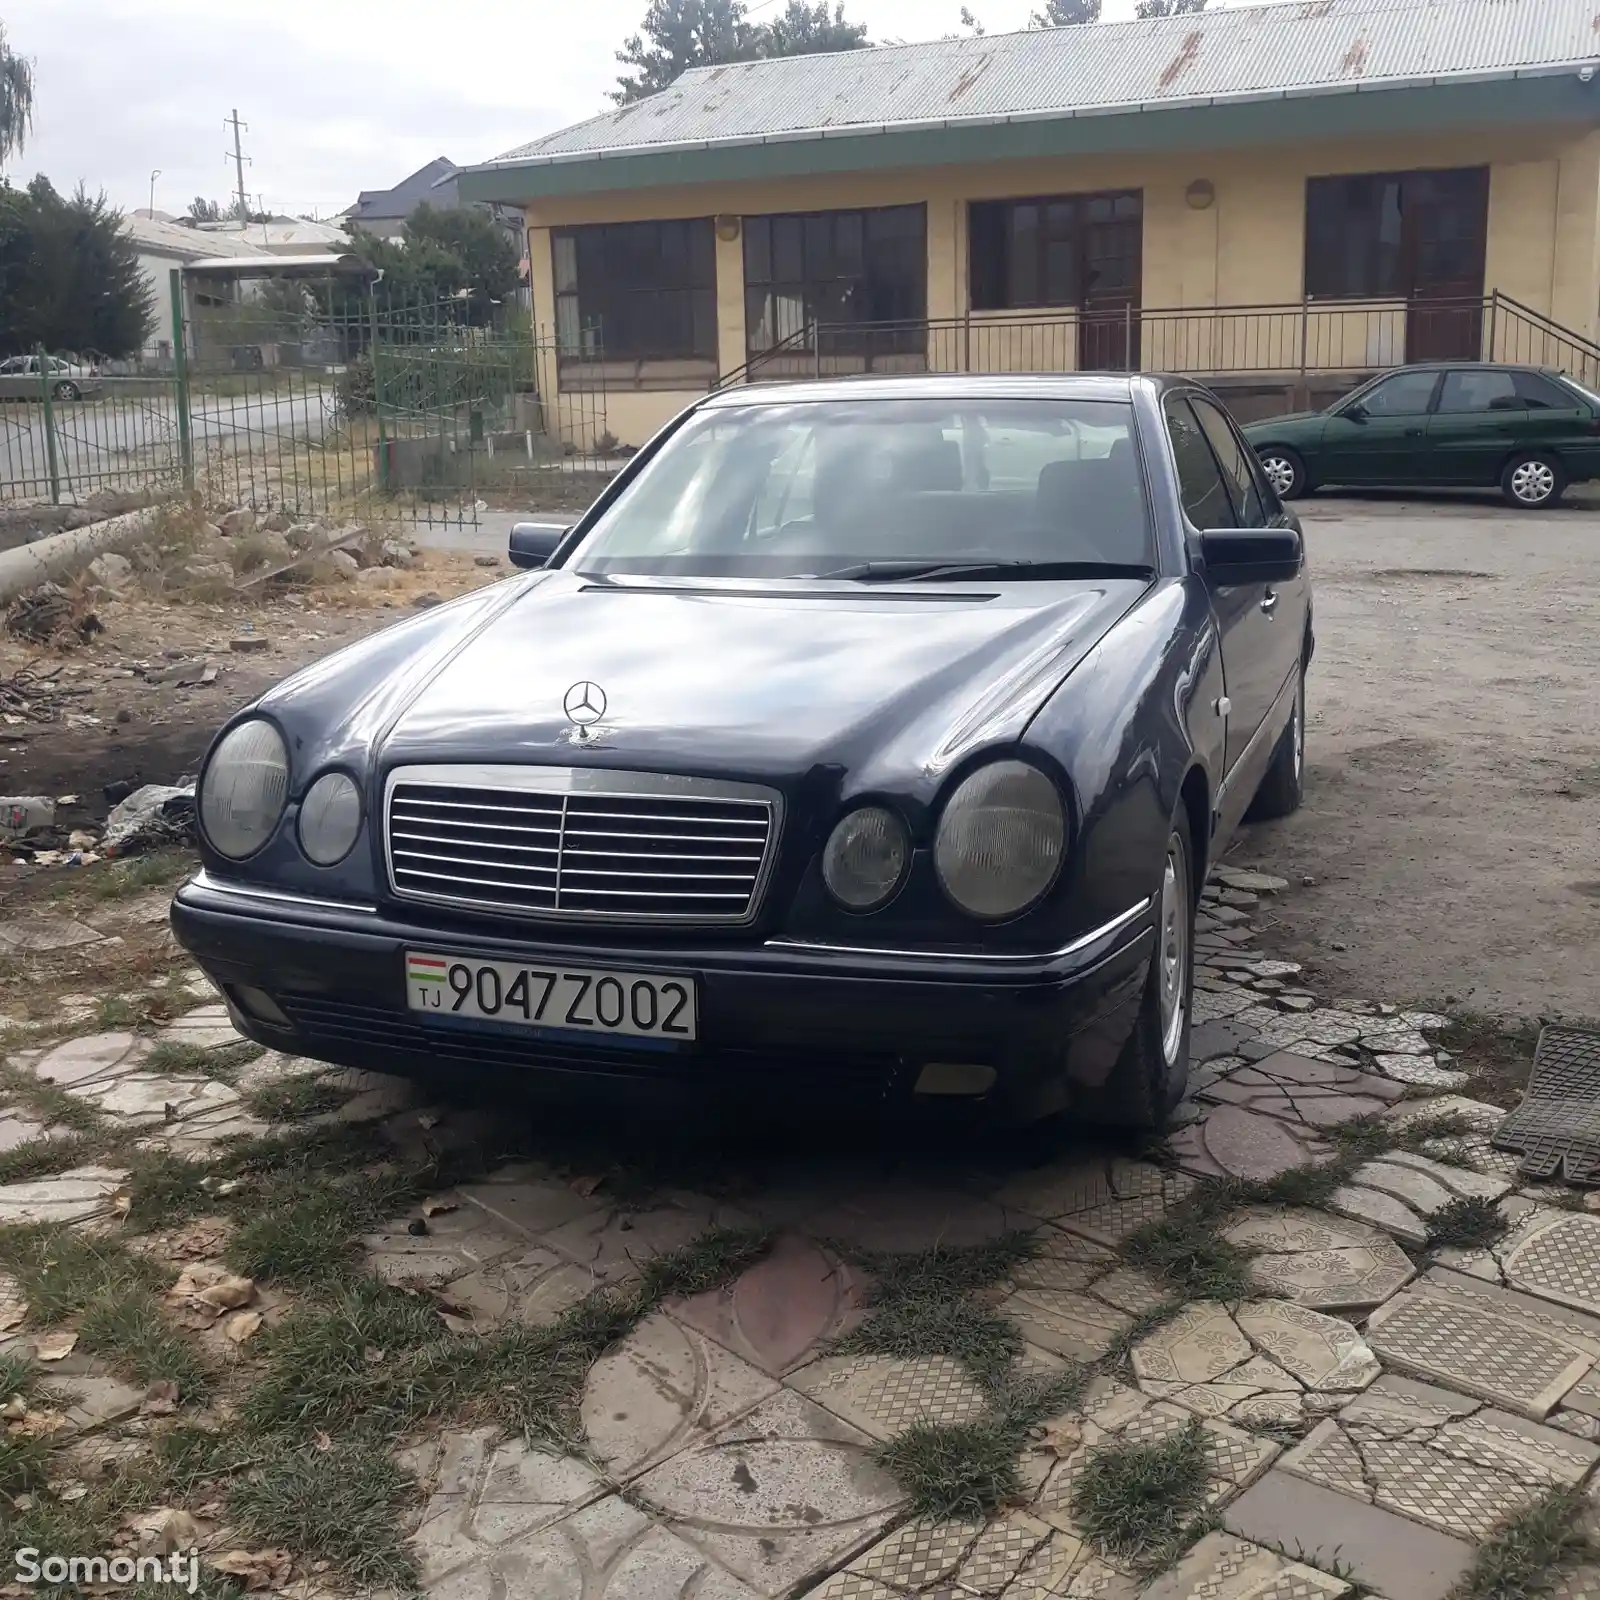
x=584 y=705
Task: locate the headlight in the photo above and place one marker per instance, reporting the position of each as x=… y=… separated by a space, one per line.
x=1000 y=840
x=245 y=789
x=330 y=819
x=865 y=858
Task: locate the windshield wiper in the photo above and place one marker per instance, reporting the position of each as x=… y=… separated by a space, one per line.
x=931 y=571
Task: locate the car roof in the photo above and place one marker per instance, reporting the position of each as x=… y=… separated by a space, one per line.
x=957 y=386
x=1476 y=366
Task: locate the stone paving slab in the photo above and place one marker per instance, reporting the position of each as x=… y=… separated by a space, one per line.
x=530 y=1205
x=1225 y=1567
x=1297 y=1088
x=74 y=1196
x=1401 y=1193
x=39 y=935
x=139 y=1098
x=16 y=1129
x=1320 y=1261
x=902 y=1219
x=1333 y=1531
x=1049 y=1298
x=781 y=1494
x=1229 y=1141
x=90 y=1059
x=485 y=1493
x=1102 y=1200
x=206 y=1027
x=885 y=1395
x=779 y=1314
x=616 y=1241
x=1557 y=1257
x=531 y=1286
x=460 y=1237
x=662 y=1389
x=1518 y=1352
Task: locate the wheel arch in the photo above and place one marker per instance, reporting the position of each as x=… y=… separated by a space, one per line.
x=1195 y=795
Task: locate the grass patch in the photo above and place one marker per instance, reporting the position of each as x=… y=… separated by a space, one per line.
x=1140 y=1501
x=1467 y=1224
x=968 y=1470
x=119 y=1012
x=192 y=1060
x=1186 y=1250
x=922 y=1304
x=44 y=1158
x=306 y=1094
x=49 y=1101
x=1523 y=1556
x=145 y=1347
x=342 y=1505
x=1499 y=1058
x=153 y=871
x=309 y=1236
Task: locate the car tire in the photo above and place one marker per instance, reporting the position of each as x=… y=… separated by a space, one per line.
x=1152 y=1072
x=67 y=391
x=1532 y=481
x=1285 y=471
x=1282 y=786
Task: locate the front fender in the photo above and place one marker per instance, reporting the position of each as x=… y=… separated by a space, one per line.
x=1128 y=727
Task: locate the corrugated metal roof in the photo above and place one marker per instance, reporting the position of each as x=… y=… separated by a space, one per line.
x=1294 y=47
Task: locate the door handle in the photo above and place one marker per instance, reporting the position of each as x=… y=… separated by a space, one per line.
x=1269 y=601
x=1413 y=433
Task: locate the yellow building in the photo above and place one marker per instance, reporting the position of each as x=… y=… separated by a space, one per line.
x=1280 y=197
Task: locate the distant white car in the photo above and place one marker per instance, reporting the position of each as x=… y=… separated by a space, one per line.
x=68 y=380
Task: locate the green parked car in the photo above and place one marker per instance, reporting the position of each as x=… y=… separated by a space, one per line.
x=1525 y=430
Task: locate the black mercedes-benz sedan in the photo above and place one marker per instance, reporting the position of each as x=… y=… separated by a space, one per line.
x=867 y=738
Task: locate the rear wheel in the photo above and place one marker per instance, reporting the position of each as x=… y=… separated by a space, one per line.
x=1283 y=785
x=1285 y=471
x=68 y=391
x=1152 y=1072
x=1533 y=481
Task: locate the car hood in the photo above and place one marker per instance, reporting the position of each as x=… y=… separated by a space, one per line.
x=1270 y=427
x=758 y=678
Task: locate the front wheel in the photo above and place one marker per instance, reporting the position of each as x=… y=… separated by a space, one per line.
x=1152 y=1072
x=68 y=391
x=1285 y=471
x=1533 y=481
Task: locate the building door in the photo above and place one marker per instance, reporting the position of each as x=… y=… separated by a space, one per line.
x=1446 y=217
x=1112 y=265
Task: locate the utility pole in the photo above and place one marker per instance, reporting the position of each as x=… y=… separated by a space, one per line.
x=239 y=159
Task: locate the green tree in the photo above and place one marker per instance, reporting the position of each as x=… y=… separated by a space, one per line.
x=1065 y=14
x=485 y=250
x=16 y=98
x=809 y=30
x=679 y=34
x=69 y=277
x=203 y=210
x=1168 y=8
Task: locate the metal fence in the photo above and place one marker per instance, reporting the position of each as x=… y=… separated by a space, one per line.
x=1290 y=345
x=317 y=400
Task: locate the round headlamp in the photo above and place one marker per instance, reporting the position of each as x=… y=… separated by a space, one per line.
x=330 y=819
x=1000 y=840
x=244 y=790
x=865 y=858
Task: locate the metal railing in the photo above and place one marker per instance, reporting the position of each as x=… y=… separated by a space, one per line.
x=1283 y=345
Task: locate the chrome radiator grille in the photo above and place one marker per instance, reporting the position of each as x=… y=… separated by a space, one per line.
x=579 y=843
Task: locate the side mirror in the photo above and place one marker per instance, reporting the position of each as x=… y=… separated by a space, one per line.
x=1252 y=555
x=1354 y=413
x=533 y=543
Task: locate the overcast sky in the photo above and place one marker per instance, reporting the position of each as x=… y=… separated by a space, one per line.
x=339 y=95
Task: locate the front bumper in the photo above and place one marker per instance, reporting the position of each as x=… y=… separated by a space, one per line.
x=775 y=1019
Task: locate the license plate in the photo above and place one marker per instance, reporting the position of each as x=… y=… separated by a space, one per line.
x=565 y=999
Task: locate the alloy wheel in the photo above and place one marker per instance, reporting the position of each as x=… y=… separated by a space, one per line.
x=1172 y=955
x=1280 y=474
x=1533 y=482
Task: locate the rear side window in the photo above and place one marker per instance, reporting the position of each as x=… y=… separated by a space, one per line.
x=1478 y=391
x=1236 y=473
x=1205 y=496
x=1540 y=394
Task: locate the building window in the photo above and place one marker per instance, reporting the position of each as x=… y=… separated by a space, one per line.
x=1381 y=235
x=834 y=267
x=637 y=291
x=1055 y=250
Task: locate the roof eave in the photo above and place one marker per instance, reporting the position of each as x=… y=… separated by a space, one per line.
x=1157 y=126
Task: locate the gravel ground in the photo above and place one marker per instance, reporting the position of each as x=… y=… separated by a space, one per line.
x=1453 y=789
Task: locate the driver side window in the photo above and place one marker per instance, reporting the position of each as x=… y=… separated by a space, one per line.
x=1406 y=394
x=1200 y=485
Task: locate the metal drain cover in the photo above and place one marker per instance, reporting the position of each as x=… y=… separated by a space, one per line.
x=1556 y=1129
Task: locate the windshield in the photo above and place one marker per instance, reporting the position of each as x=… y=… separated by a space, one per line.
x=818 y=488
